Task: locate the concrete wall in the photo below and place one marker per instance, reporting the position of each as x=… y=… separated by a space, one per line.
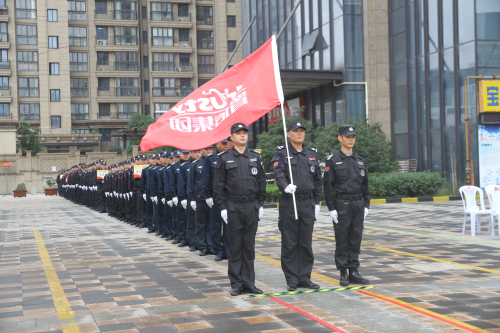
x=8 y=140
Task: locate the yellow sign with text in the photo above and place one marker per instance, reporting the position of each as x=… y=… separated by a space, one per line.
x=101 y=174
x=490 y=96
x=138 y=170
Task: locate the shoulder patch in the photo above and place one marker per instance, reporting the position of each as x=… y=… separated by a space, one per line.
x=209 y=155
x=313 y=149
x=329 y=157
x=255 y=151
x=361 y=155
x=183 y=163
x=280 y=147
x=222 y=152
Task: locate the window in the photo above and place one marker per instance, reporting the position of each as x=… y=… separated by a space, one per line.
x=146 y=110
x=164 y=87
x=77 y=11
x=55 y=121
x=102 y=33
x=144 y=10
x=204 y=15
x=163 y=61
x=145 y=61
x=163 y=36
x=27 y=35
x=205 y=39
x=161 y=11
x=105 y=134
x=103 y=58
x=4 y=109
x=27 y=61
x=144 y=37
x=77 y=36
x=202 y=82
x=28 y=87
x=184 y=35
x=146 y=85
x=231 y=21
x=185 y=59
x=52 y=15
x=4 y=59
x=80 y=131
x=79 y=111
x=126 y=61
x=185 y=82
x=183 y=9
x=26 y=9
x=125 y=10
x=161 y=108
x=79 y=88
x=101 y=7
x=4 y=83
x=206 y=64
x=103 y=83
x=54 y=68
x=125 y=36
x=104 y=109
x=29 y=111
x=78 y=62
x=4 y=36
x=230 y=1
x=53 y=42
x=55 y=95
x=127 y=86
x=127 y=110
x=231 y=45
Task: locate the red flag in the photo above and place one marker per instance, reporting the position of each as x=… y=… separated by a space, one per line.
x=244 y=93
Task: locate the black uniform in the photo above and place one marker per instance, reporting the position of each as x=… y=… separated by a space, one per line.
x=346 y=191
x=240 y=187
x=297 y=257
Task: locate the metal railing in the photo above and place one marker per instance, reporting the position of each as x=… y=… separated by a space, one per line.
x=5 y=64
x=170 y=41
x=169 y=16
x=78 y=41
x=171 y=92
x=26 y=13
x=160 y=66
x=79 y=116
x=125 y=115
x=27 y=40
x=77 y=16
x=79 y=92
x=118 y=40
x=206 y=44
x=206 y=69
x=27 y=66
x=29 y=92
x=78 y=66
x=204 y=19
x=29 y=116
x=4 y=10
x=117 y=66
x=5 y=91
x=117 y=15
x=120 y=92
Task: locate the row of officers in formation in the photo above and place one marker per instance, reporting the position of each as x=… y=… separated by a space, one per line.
x=211 y=202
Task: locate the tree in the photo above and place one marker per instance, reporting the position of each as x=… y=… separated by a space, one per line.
x=268 y=141
x=140 y=121
x=115 y=149
x=370 y=141
x=29 y=139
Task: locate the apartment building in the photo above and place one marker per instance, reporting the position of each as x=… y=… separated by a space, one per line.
x=77 y=71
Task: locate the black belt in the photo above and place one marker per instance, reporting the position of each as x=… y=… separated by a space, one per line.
x=241 y=198
x=299 y=197
x=348 y=197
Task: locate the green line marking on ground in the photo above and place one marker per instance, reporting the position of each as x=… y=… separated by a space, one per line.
x=309 y=291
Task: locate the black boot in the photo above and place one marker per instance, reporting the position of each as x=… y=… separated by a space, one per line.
x=355 y=277
x=344 y=279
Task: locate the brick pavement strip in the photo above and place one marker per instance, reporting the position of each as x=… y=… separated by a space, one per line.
x=114 y=278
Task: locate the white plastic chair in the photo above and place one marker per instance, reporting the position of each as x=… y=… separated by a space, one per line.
x=493 y=193
x=468 y=194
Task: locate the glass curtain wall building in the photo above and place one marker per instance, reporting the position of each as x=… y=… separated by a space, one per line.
x=323 y=35
x=434 y=46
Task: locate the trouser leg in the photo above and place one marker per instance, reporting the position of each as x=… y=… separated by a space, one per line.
x=149 y=214
x=167 y=217
x=160 y=219
x=216 y=223
x=355 y=233
x=190 y=227
x=181 y=215
x=202 y=224
x=342 y=233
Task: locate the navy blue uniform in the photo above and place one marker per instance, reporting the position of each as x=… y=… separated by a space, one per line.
x=174 y=187
x=167 y=210
x=182 y=195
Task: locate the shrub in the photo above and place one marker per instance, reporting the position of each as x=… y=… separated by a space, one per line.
x=401 y=185
x=272 y=193
x=21 y=186
x=115 y=149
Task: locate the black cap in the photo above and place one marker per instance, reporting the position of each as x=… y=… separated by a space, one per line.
x=347 y=130
x=294 y=125
x=170 y=155
x=238 y=126
x=229 y=139
x=164 y=153
x=157 y=155
x=142 y=157
x=81 y=163
x=152 y=156
x=208 y=147
x=176 y=153
x=185 y=151
x=132 y=159
x=103 y=163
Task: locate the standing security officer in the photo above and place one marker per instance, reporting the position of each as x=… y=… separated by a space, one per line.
x=174 y=187
x=100 y=189
x=146 y=194
x=160 y=193
x=140 y=202
x=240 y=190
x=167 y=200
x=297 y=257
x=182 y=197
x=348 y=199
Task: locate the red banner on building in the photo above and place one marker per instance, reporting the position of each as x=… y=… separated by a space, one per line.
x=290 y=107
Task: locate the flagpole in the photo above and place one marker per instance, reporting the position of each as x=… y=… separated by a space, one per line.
x=289 y=162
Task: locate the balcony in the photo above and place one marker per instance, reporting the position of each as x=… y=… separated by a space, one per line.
x=117 y=15
x=206 y=69
x=170 y=42
x=169 y=17
x=204 y=19
x=5 y=64
x=172 y=92
x=4 y=37
x=4 y=10
x=77 y=16
x=26 y=14
x=118 y=66
x=79 y=92
x=160 y=66
x=205 y=44
x=78 y=41
x=78 y=67
x=27 y=66
x=5 y=91
x=117 y=40
x=119 y=92
x=29 y=116
x=79 y=116
x=29 y=93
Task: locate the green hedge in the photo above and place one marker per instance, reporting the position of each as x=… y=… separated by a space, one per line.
x=405 y=185
x=272 y=193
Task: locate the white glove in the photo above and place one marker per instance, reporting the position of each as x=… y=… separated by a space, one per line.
x=170 y=203
x=144 y=197
x=223 y=214
x=163 y=200
x=366 y=212
x=153 y=199
x=121 y=195
x=184 y=203
x=210 y=202
x=261 y=212
x=130 y=194
x=175 y=200
x=156 y=199
x=316 y=210
x=290 y=188
x=334 y=216
x=193 y=205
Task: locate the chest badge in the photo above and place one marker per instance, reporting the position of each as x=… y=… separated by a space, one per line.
x=362 y=173
x=254 y=171
x=312 y=168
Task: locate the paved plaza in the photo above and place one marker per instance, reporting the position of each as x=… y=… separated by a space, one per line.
x=65 y=268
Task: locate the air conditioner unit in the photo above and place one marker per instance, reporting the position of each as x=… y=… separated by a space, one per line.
x=101 y=42
x=178 y=69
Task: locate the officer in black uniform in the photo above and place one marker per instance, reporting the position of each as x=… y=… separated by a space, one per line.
x=240 y=190
x=348 y=199
x=297 y=257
